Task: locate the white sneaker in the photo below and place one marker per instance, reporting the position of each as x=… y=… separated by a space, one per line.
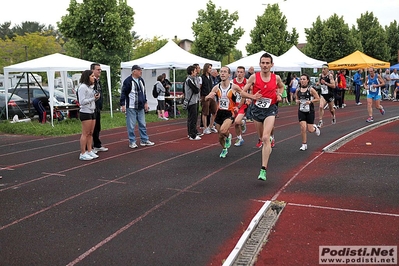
x=146 y=143
x=304 y=147
x=92 y=154
x=133 y=145
x=214 y=130
x=102 y=148
x=317 y=130
x=207 y=131
x=85 y=157
x=196 y=138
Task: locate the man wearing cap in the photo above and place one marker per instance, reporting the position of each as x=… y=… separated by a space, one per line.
x=133 y=102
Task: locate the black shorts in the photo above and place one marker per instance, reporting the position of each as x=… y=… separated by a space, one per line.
x=222 y=115
x=260 y=114
x=328 y=97
x=161 y=105
x=87 y=116
x=306 y=116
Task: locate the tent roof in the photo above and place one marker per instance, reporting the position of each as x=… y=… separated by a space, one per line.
x=357 y=60
x=55 y=62
x=170 y=56
x=253 y=60
x=394 y=67
x=296 y=56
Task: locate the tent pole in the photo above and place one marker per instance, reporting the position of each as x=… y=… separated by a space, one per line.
x=174 y=92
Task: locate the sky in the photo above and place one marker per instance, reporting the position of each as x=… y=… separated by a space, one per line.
x=167 y=19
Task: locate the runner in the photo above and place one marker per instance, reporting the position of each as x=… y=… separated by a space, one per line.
x=373 y=84
x=306 y=96
x=226 y=93
x=264 y=110
x=240 y=108
x=327 y=84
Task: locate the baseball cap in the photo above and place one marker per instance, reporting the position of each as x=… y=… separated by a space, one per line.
x=136 y=67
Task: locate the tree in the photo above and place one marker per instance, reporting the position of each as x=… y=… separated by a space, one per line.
x=270 y=33
x=373 y=37
x=101 y=30
x=27 y=47
x=392 y=32
x=330 y=40
x=5 y=31
x=28 y=27
x=214 y=35
x=142 y=48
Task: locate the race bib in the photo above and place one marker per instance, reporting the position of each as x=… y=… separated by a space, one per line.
x=224 y=104
x=372 y=89
x=263 y=102
x=324 y=89
x=238 y=98
x=303 y=107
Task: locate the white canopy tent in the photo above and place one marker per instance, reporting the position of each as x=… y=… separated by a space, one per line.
x=295 y=55
x=51 y=64
x=170 y=56
x=253 y=60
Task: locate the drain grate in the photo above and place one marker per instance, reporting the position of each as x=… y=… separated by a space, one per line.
x=258 y=237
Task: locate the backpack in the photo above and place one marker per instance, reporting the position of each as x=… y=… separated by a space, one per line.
x=155 y=91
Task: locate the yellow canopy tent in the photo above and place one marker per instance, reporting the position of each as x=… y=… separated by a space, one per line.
x=357 y=60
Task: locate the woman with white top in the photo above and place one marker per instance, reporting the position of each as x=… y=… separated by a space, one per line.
x=87 y=97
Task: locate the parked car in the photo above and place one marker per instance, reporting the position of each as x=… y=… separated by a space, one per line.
x=35 y=92
x=16 y=106
x=179 y=92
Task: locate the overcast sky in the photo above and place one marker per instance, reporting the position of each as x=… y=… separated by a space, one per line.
x=167 y=19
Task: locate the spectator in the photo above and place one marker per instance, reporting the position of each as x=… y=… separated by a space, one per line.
x=41 y=105
x=87 y=98
x=133 y=102
x=192 y=95
x=97 y=145
x=358 y=80
x=161 y=98
x=394 y=77
x=251 y=71
x=208 y=107
x=293 y=87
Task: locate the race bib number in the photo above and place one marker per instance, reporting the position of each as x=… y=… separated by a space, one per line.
x=372 y=88
x=263 y=102
x=224 y=104
x=324 y=89
x=238 y=98
x=303 y=107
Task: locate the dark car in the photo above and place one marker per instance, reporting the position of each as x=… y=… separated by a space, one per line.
x=16 y=106
x=35 y=92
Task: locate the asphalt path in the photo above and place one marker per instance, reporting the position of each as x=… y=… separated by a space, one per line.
x=175 y=203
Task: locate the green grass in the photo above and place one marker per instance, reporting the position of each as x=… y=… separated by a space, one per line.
x=69 y=126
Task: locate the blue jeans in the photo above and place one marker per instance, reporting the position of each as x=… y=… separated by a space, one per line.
x=133 y=115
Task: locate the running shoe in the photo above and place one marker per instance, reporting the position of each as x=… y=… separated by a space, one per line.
x=304 y=147
x=259 y=144
x=146 y=143
x=382 y=111
x=196 y=138
x=85 y=157
x=214 y=130
x=262 y=175
x=334 y=120
x=370 y=119
x=316 y=130
x=239 y=142
x=320 y=124
x=227 y=143
x=223 y=153
x=243 y=126
x=272 y=142
x=102 y=148
x=207 y=131
x=133 y=145
x=92 y=154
